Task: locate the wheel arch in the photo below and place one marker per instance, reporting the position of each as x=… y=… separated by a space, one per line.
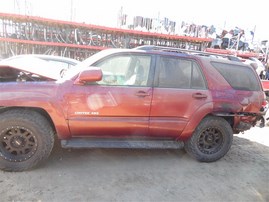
x=227 y=116
x=199 y=115
x=41 y=111
x=54 y=116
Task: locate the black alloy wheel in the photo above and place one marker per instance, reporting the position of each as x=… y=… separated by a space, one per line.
x=26 y=139
x=211 y=139
x=17 y=144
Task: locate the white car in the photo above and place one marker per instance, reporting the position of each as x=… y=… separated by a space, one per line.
x=35 y=67
x=257 y=65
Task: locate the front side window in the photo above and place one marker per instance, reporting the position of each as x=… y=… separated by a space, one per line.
x=125 y=70
x=180 y=73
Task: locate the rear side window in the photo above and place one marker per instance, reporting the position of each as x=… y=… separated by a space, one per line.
x=179 y=73
x=239 y=77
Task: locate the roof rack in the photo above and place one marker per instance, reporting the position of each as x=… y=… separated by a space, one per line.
x=192 y=52
x=160 y=48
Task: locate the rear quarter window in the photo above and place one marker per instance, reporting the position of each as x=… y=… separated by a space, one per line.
x=238 y=76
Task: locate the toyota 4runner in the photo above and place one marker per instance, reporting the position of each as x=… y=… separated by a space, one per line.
x=149 y=97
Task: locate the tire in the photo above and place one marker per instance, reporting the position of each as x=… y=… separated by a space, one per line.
x=26 y=139
x=211 y=139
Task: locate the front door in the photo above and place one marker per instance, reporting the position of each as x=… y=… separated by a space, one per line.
x=118 y=105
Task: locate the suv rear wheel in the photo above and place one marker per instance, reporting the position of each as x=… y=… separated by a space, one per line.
x=211 y=140
x=26 y=139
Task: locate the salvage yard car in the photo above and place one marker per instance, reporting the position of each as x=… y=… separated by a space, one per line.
x=149 y=97
x=64 y=62
x=37 y=62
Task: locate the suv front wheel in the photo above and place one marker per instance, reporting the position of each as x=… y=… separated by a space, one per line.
x=211 y=140
x=26 y=139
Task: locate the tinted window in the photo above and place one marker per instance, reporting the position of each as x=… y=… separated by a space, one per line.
x=239 y=77
x=125 y=70
x=180 y=73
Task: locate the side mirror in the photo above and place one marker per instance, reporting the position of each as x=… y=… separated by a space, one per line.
x=89 y=75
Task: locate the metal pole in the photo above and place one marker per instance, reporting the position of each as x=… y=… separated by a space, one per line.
x=237 y=43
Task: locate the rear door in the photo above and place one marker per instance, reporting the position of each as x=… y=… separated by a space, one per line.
x=179 y=91
x=119 y=104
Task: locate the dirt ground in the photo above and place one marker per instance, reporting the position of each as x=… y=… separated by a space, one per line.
x=146 y=175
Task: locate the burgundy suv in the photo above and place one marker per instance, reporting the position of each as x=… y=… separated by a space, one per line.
x=149 y=97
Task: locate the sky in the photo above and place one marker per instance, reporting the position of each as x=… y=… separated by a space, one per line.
x=222 y=14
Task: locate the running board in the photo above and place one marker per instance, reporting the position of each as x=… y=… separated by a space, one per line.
x=81 y=143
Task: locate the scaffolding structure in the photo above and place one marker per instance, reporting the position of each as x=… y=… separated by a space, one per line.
x=21 y=34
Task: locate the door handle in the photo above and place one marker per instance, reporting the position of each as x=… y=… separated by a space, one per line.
x=142 y=94
x=199 y=95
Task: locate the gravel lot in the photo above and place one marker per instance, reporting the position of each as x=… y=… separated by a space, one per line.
x=146 y=175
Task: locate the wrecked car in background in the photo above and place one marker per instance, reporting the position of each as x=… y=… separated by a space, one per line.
x=35 y=67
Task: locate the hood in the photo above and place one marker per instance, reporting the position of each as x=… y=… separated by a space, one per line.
x=34 y=66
